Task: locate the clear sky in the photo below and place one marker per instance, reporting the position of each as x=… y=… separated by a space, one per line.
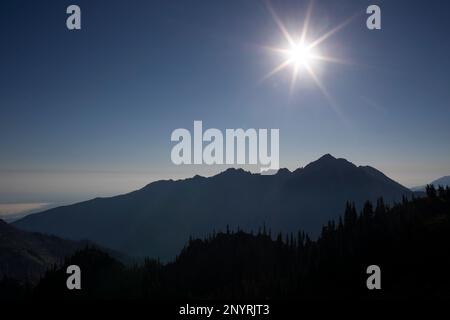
x=89 y=113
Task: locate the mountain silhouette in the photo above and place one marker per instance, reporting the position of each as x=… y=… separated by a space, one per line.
x=158 y=219
x=27 y=255
x=442 y=181
x=235 y=265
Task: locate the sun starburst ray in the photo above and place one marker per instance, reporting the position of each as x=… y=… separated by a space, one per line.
x=330 y=33
x=281 y=25
x=277 y=69
x=330 y=59
x=306 y=23
x=325 y=93
x=294 y=79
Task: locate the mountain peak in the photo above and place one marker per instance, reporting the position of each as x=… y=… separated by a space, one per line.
x=326 y=157
x=328 y=161
x=283 y=171
x=233 y=172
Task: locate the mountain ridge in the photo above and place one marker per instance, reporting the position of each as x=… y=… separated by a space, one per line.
x=442 y=181
x=27 y=255
x=157 y=219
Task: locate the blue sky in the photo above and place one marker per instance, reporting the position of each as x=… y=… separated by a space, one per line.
x=90 y=113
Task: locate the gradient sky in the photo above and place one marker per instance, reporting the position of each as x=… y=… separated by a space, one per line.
x=89 y=113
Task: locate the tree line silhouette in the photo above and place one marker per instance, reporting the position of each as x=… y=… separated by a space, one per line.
x=409 y=241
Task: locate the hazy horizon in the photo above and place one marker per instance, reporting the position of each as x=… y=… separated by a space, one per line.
x=89 y=113
x=11 y=211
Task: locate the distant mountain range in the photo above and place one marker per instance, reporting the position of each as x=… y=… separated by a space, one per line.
x=443 y=181
x=27 y=255
x=158 y=219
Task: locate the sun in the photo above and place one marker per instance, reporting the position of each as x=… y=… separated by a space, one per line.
x=300 y=55
x=303 y=56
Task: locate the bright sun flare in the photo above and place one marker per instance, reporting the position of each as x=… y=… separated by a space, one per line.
x=300 y=55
